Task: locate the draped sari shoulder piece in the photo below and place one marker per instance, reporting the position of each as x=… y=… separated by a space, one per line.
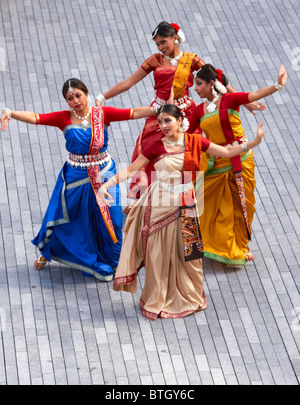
x=97 y=142
x=182 y=74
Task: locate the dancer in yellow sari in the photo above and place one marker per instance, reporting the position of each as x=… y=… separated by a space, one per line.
x=229 y=201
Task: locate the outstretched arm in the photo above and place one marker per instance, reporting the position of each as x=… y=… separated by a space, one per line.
x=24 y=116
x=122 y=86
x=231 y=151
x=123 y=175
x=253 y=106
x=142 y=112
x=267 y=91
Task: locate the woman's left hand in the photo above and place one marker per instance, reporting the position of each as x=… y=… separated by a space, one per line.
x=282 y=76
x=260 y=133
x=255 y=106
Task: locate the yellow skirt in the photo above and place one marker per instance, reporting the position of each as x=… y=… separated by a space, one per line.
x=222 y=222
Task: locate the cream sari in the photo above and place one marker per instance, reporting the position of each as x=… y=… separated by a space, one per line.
x=153 y=239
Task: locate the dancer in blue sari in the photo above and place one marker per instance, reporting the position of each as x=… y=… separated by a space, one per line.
x=77 y=229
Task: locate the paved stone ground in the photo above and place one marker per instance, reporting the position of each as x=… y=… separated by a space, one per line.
x=58 y=327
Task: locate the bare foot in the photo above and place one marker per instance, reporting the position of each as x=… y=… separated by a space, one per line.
x=40 y=263
x=249 y=257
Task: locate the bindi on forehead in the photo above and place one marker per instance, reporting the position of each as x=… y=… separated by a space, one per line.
x=74 y=92
x=159 y=40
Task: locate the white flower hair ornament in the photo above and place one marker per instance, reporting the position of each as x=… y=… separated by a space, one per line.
x=220 y=87
x=185 y=124
x=180 y=33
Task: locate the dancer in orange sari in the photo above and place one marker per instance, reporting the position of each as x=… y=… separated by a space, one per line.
x=162 y=230
x=229 y=183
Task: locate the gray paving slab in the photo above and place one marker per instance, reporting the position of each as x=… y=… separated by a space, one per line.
x=59 y=328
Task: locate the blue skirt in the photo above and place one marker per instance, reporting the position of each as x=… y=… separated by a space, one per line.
x=73 y=231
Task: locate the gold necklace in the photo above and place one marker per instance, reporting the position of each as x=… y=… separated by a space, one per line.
x=179 y=142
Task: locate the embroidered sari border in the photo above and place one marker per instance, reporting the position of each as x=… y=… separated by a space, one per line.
x=224 y=260
x=168 y=315
x=125 y=279
x=66 y=128
x=212 y=172
x=164 y=222
x=97 y=141
x=80 y=267
x=216 y=112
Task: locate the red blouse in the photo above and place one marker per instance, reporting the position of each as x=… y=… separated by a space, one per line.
x=61 y=119
x=235 y=100
x=164 y=74
x=157 y=149
x=156 y=61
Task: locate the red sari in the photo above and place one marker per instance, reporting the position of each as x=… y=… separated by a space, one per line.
x=164 y=80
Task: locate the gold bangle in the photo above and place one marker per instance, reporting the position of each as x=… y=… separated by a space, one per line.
x=37 y=119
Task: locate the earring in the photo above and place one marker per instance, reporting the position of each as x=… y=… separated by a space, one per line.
x=214 y=91
x=176 y=41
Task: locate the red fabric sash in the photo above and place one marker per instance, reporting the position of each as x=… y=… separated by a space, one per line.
x=236 y=161
x=97 y=143
x=192 y=239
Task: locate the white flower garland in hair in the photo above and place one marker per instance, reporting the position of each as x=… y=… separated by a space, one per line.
x=185 y=124
x=181 y=36
x=220 y=87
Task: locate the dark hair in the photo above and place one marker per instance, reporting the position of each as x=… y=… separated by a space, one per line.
x=170 y=109
x=164 y=29
x=208 y=73
x=78 y=84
